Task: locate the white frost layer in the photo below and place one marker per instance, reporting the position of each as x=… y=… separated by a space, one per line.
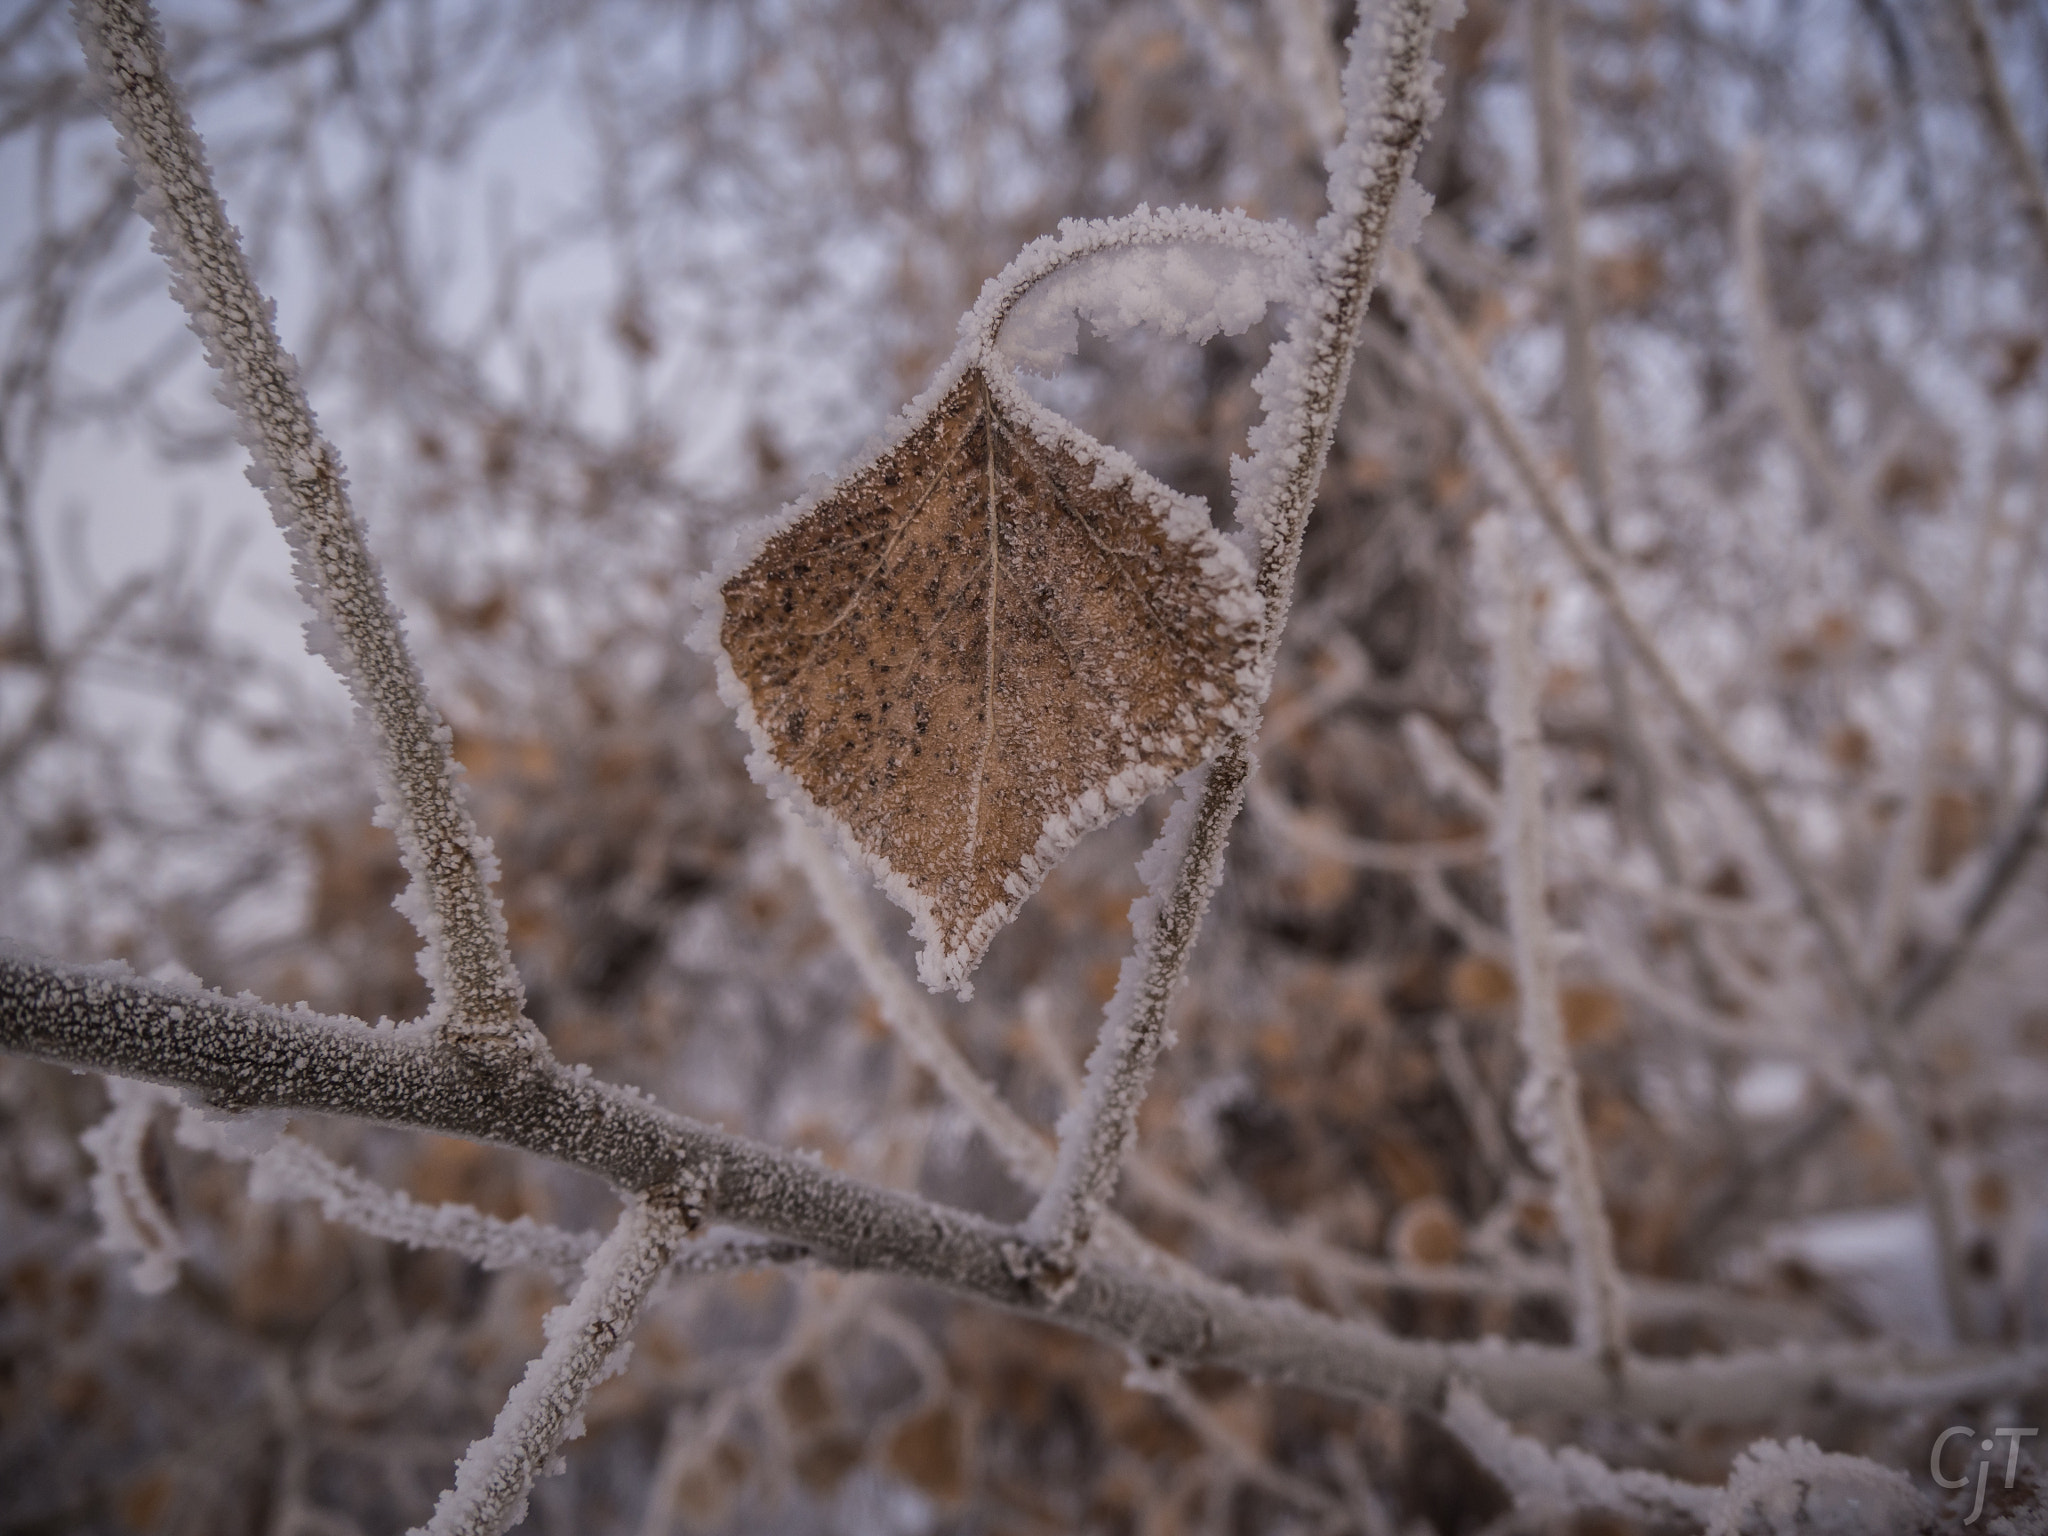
x=133 y=1223
x=1184 y=273
x=1098 y=1126
x=585 y=1344
x=1567 y=1479
x=1796 y=1487
x=290 y=1169
x=1374 y=202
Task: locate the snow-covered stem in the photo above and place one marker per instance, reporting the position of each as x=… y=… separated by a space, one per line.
x=1099 y=1126
x=1389 y=99
x=1564 y=1481
x=1406 y=281
x=290 y=1169
x=1796 y=1486
x=477 y=994
x=133 y=1223
x=1552 y=1121
x=2005 y=121
x=584 y=1345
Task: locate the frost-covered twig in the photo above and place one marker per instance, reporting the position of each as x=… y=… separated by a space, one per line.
x=1771 y=1488
x=477 y=994
x=584 y=1345
x=1324 y=842
x=1551 y=1119
x=243 y=1054
x=2005 y=120
x=1407 y=282
x=1925 y=981
x=1405 y=279
x=1446 y=772
x=133 y=1223
x=1847 y=501
x=1557 y=152
x=1390 y=98
x=1564 y=1481
x=1026 y=1151
x=1475 y=1103
x=1796 y=1486
x=290 y=1169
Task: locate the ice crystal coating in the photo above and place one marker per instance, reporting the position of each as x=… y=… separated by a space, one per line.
x=1186 y=272
x=985 y=642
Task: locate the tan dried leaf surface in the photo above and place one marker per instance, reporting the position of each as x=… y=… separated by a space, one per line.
x=983 y=644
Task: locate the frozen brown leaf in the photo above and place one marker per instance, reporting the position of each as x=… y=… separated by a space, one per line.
x=981 y=645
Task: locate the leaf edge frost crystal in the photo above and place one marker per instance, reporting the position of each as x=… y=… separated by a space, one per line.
x=957 y=734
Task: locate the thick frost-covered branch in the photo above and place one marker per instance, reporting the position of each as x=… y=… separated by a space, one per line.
x=1552 y=1121
x=477 y=995
x=1390 y=97
x=243 y=1054
x=585 y=1340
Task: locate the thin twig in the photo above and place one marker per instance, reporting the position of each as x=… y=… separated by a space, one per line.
x=1556 y=142
x=1406 y=281
x=1925 y=981
x=1907 y=853
x=1845 y=500
x=1390 y=99
x=477 y=994
x=546 y=1407
x=1324 y=842
x=1552 y=1120
x=2005 y=119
